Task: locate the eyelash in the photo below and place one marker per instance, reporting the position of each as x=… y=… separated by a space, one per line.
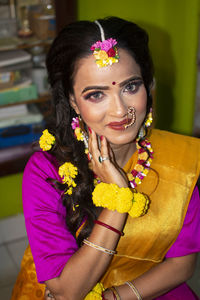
x=92 y=95
x=137 y=84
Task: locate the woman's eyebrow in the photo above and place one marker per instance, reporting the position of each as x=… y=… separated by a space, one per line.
x=95 y=87
x=130 y=79
x=99 y=87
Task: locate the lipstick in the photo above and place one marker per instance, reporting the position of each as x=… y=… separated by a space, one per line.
x=119 y=125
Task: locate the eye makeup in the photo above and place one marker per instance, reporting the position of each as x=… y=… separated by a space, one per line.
x=132 y=86
x=94 y=96
x=95 y=93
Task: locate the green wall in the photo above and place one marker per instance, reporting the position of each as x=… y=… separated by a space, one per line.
x=10 y=195
x=173 y=29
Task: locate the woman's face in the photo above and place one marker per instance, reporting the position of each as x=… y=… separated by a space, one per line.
x=102 y=97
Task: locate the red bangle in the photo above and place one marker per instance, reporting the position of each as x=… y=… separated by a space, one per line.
x=109 y=227
x=103 y=298
x=114 y=296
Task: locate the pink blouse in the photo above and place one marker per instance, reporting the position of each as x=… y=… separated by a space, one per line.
x=51 y=242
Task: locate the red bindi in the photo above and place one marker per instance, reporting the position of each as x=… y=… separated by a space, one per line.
x=113 y=83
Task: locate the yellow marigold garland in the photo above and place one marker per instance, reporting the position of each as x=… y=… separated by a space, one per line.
x=46 y=140
x=121 y=199
x=139 y=206
x=96 y=292
x=68 y=172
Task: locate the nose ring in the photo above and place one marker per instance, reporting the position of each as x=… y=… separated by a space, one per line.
x=131 y=116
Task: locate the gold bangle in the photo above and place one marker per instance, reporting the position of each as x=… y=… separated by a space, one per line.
x=133 y=288
x=114 y=290
x=97 y=247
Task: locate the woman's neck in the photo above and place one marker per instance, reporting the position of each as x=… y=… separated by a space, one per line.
x=123 y=153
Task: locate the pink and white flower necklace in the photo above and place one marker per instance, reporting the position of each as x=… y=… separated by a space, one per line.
x=141 y=169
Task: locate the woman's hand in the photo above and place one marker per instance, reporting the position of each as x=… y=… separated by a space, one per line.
x=107 y=170
x=48 y=295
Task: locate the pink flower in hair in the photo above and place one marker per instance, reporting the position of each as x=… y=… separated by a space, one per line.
x=108 y=44
x=105 y=52
x=96 y=45
x=105 y=45
x=75 y=123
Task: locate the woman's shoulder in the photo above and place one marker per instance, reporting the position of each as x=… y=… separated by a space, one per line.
x=38 y=191
x=43 y=164
x=178 y=144
x=176 y=151
x=164 y=136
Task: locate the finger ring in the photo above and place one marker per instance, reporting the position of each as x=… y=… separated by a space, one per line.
x=101 y=159
x=50 y=295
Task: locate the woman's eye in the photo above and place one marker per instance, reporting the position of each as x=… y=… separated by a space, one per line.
x=94 y=96
x=132 y=87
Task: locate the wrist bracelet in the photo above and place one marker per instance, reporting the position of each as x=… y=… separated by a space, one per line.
x=115 y=293
x=97 y=247
x=103 y=297
x=133 y=288
x=109 y=227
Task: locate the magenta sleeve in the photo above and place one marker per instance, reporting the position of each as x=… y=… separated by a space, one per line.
x=188 y=240
x=50 y=240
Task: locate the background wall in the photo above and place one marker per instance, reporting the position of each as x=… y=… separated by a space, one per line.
x=173 y=27
x=10 y=195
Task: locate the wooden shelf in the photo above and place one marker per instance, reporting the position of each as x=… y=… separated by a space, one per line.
x=13 y=159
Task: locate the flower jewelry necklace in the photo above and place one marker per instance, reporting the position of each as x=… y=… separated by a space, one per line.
x=142 y=166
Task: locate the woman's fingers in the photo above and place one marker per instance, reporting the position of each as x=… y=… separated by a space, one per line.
x=102 y=163
x=48 y=295
x=93 y=146
x=98 y=148
x=104 y=148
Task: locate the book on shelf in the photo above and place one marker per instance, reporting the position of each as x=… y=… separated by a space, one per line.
x=12 y=57
x=21 y=129
x=13 y=111
x=18 y=94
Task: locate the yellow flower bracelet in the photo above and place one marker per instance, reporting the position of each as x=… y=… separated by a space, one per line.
x=96 y=292
x=124 y=200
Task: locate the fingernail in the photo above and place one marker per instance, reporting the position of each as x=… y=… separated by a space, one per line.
x=89 y=129
x=101 y=137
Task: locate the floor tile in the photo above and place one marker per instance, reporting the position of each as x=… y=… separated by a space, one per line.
x=12 y=228
x=8 y=270
x=6 y=292
x=16 y=250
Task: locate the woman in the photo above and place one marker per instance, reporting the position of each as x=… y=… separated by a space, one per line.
x=103 y=204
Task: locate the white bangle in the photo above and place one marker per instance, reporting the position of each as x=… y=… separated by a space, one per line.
x=97 y=247
x=133 y=288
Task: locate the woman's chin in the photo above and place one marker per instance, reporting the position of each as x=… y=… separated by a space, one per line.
x=121 y=140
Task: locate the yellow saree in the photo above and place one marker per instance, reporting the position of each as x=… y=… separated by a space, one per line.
x=169 y=185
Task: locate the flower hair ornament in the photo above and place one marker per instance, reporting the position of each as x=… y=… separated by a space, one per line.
x=67 y=171
x=105 y=51
x=79 y=131
x=47 y=140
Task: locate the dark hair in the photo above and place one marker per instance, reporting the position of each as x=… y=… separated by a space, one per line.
x=72 y=44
